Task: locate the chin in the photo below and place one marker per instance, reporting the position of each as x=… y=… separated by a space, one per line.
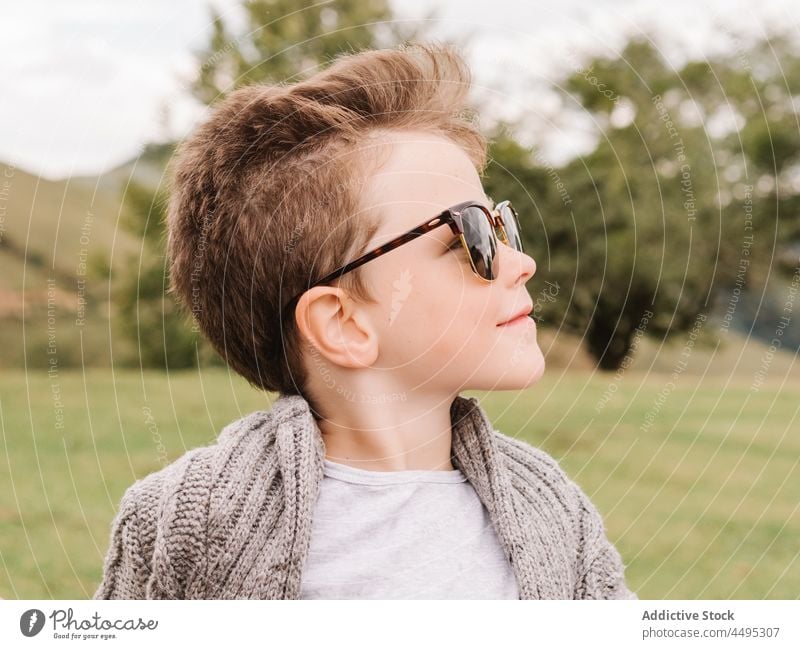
x=530 y=380
x=526 y=371
x=538 y=373
x=514 y=377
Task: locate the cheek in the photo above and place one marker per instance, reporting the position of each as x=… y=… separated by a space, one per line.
x=461 y=323
x=429 y=323
x=436 y=307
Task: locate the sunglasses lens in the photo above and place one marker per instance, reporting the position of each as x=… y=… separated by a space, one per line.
x=481 y=241
x=511 y=225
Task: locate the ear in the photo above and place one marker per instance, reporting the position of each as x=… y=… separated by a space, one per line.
x=337 y=326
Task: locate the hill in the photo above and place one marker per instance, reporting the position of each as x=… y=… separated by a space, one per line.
x=60 y=242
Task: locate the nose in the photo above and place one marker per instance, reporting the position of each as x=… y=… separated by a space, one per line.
x=521 y=266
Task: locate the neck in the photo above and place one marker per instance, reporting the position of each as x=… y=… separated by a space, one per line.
x=384 y=433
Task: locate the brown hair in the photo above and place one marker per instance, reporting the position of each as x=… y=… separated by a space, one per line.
x=265 y=192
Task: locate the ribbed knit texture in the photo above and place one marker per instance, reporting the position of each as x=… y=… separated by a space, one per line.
x=233 y=520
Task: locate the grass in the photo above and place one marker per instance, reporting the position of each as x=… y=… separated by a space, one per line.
x=701 y=504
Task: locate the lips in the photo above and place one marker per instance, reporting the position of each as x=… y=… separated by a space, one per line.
x=524 y=312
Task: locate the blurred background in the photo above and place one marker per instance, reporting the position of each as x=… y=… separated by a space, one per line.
x=653 y=153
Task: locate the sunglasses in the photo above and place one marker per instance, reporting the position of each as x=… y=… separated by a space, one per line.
x=477 y=229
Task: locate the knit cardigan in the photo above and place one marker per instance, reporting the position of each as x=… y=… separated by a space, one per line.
x=232 y=520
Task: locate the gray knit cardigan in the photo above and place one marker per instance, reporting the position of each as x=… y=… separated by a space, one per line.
x=233 y=520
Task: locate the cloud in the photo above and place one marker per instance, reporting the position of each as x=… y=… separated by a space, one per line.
x=84 y=81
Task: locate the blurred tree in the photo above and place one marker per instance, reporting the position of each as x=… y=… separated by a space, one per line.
x=280 y=41
x=749 y=104
x=649 y=221
x=286 y=39
x=162 y=334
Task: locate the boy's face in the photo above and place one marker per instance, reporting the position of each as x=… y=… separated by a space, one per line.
x=436 y=323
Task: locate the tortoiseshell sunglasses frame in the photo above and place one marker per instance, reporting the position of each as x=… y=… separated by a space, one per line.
x=452 y=216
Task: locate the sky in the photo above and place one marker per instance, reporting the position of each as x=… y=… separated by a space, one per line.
x=87 y=83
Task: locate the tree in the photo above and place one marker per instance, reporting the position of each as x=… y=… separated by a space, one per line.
x=649 y=222
x=163 y=335
x=286 y=39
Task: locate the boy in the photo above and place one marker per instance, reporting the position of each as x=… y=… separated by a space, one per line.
x=334 y=243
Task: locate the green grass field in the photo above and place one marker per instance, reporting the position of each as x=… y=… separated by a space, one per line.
x=702 y=504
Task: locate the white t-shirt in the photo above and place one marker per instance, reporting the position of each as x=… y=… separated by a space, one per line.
x=403 y=535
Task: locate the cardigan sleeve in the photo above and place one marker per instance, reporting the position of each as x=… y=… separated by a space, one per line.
x=601 y=573
x=127 y=565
